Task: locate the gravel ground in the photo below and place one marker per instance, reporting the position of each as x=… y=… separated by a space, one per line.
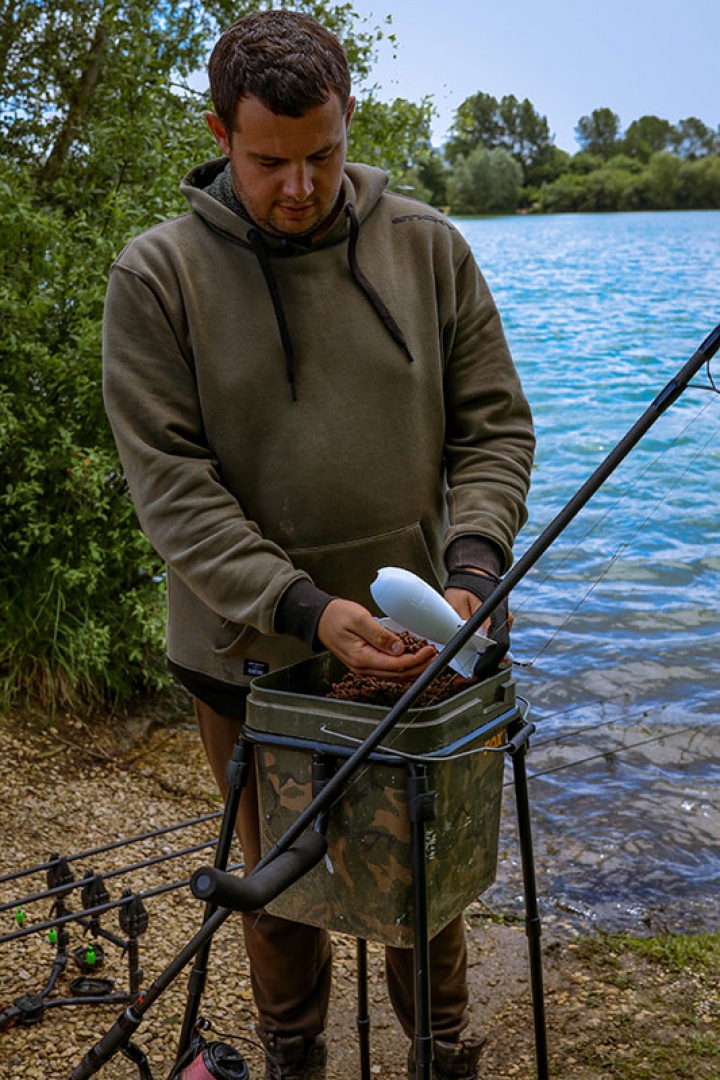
x=73 y=785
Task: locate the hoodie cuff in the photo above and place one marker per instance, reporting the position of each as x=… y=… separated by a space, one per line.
x=298 y=612
x=476 y=552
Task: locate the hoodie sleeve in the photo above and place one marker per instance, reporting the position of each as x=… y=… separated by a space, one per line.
x=489 y=441
x=189 y=516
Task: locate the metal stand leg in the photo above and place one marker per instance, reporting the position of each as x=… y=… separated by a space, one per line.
x=363 y=1015
x=421 y=808
x=236 y=776
x=517 y=748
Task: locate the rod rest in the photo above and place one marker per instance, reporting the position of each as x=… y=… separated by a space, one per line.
x=261 y=886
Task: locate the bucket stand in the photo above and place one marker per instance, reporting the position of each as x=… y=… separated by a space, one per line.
x=421 y=810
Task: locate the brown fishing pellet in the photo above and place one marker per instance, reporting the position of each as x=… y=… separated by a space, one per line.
x=371 y=690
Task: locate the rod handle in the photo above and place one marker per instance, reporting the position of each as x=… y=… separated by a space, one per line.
x=259 y=887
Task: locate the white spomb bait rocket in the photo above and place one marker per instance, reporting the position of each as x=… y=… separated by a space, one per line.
x=416 y=606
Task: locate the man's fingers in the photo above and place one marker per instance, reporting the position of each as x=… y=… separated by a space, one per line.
x=383 y=639
x=367 y=647
x=403 y=668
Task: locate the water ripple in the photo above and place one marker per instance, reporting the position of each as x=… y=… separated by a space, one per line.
x=620 y=621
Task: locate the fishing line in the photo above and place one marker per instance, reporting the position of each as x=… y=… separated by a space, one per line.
x=627 y=717
x=627 y=721
x=614 y=753
x=712 y=387
x=624 y=545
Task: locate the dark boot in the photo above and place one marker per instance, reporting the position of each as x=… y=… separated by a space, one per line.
x=294 y=1058
x=452 y=1061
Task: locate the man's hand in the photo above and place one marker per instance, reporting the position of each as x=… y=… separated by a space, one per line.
x=497 y=627
x=366 y=647
x=466 y=604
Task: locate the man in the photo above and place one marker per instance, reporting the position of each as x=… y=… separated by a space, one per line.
x=308 y=380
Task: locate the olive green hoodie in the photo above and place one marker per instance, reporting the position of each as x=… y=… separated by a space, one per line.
x=287 y=412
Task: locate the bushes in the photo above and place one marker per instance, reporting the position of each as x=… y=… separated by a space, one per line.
x=81 y=590
x=664 y=183
x=486 y=182
x=98 y=125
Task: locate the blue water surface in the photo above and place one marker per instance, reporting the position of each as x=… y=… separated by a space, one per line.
x=618 y=624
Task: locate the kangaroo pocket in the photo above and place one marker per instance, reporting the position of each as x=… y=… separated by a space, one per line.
x=348 y=569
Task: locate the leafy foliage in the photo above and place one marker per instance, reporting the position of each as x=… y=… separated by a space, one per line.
x=652 y=166
x=395 y=137
x=99 y=124
x=507 y=124
x=79 y=586
x=599 y=133
x=486 y=182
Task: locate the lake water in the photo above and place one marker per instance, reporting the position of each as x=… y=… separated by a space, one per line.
x=618 y=625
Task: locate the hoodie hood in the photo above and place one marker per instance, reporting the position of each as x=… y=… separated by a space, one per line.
x=362 y=186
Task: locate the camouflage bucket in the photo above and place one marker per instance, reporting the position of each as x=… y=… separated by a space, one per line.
x=364 y=887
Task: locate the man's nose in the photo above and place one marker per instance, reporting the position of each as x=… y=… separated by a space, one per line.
x=298 y=181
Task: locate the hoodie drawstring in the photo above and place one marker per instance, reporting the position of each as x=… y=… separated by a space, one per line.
x=381 y=310
x=378 y=304
x=256 y=242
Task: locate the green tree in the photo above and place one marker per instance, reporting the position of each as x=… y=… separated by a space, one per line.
x=613 y=185
x=660 y=181
x=432 y=172
x=476 y=124
x=508 y=124
x=486 y=182
x=695 y=139
x=395 y=137
x=599 y=133
x=617 y=185
x=525 y=133
x=699 y=184
x=567 y=194
x=98 y=125
x=647 y=136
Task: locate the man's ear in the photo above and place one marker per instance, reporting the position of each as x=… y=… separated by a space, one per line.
x=349 y=112
x=219 y=132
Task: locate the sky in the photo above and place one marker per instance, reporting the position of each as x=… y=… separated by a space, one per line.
x=636 y=57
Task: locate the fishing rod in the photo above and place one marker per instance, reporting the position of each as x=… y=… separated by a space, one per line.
x=667 y=396
x=98 y=909
x=294 y=854
x=122 y=871
x=92 y=852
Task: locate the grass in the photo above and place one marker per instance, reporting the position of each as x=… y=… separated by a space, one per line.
x=661 y=998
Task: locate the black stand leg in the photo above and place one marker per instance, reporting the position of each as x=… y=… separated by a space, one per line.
x=236 y=776
x=363 y=1016
x=421 y=808
x=517 y=748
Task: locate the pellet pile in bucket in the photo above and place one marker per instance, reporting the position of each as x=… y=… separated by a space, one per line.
x=371 y=690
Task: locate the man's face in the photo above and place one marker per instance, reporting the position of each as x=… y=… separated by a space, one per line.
x=286 y=171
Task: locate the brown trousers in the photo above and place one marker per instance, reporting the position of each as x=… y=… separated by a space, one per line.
x=290 y=963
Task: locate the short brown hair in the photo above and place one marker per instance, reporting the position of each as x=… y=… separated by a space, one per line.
x=286 y=59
